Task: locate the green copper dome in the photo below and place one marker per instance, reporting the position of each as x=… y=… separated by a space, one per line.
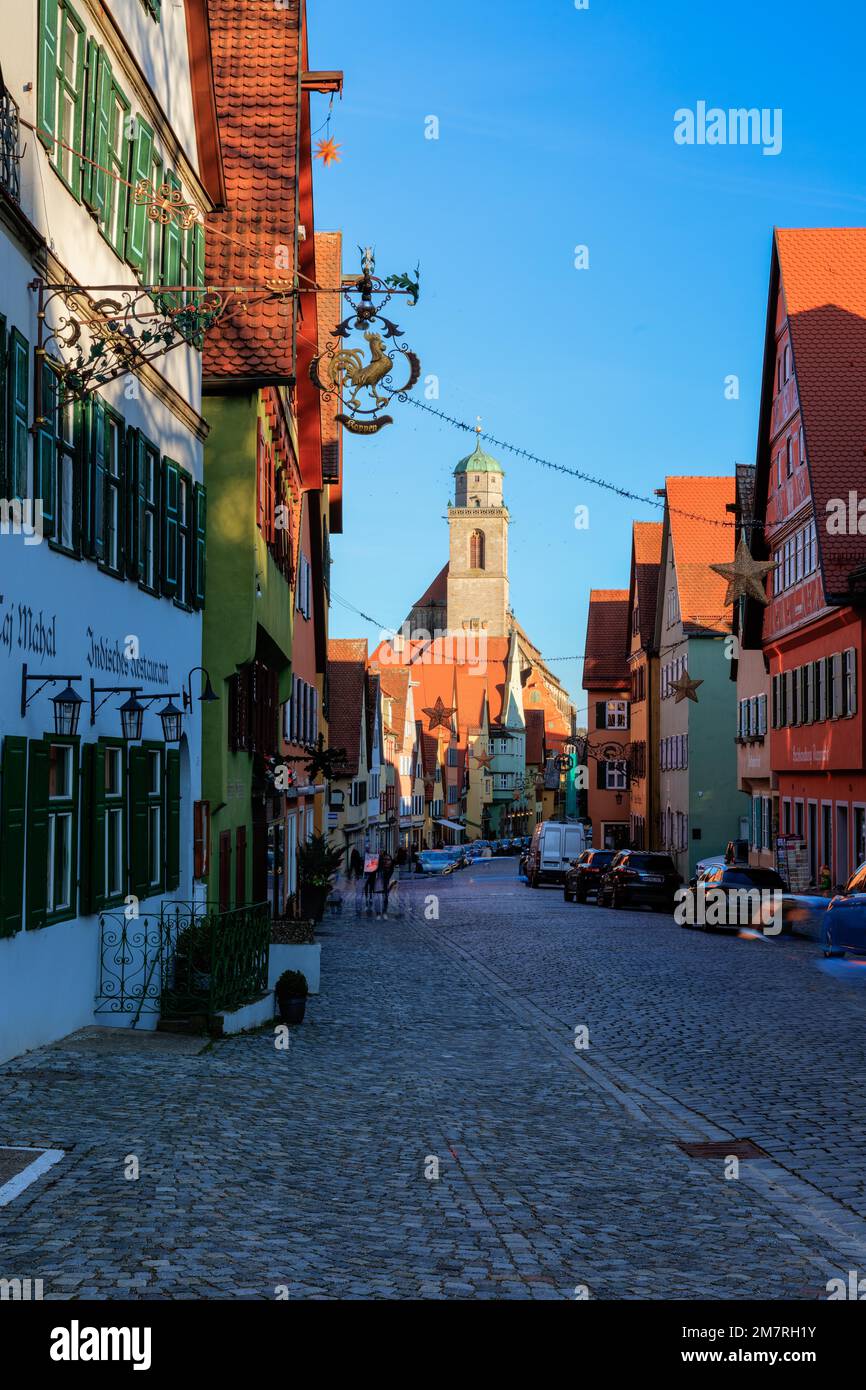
x=479 y=462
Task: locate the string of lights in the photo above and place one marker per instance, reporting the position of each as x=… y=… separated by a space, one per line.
x=570 y=472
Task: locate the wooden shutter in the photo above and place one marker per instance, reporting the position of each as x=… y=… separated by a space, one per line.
x=838 y=699
x=88 y=146
x=97 y=480
x=100 y=194
x=225 y=871
x=134 y=468
x=93 y=857
x=37 y=834
x=852 y=658
x=199 y=546
x=139 y=876
x=170 y=524
x=46 y=106
x=45 y=451
x=171 y=250
x=137 y=221
x=198 y=271
x=600 y=714
x=240 y=866
x=601 y=775
x=201 y=832
x=19 y=412
x=13 y=797
x=172 y=818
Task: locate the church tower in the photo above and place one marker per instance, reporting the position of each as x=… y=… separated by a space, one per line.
x=478 y=557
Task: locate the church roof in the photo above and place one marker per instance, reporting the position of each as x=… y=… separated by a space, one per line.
x=438 y=590
x=479 y=462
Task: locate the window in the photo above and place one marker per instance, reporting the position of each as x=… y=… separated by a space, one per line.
x=837 y=695
x=617 y=714
x=849 y=681
x=302 y=597
x=452 y=757
x=61 y=88
x=673 y=606
x=114 y=823
x=762 y=715
x=820 y=682
x=184 y=539
x=615 y=775
x=452 y=795
x=789 y=444
x=58 y=463
x=60 y=829
x=796 y=559
x=148 y=484
x=476 y=550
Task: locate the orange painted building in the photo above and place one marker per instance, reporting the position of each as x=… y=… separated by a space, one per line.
x=606 y=680
x=810 y=466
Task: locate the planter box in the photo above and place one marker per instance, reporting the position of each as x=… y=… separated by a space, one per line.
x=307 y=959
x=252 y=1015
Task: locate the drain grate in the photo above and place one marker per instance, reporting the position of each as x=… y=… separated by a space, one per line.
x=724 y=1148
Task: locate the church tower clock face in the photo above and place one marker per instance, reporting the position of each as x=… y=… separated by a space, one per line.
x=478 y=551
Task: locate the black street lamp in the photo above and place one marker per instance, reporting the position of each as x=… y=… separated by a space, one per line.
x=132 y=718
x=67 y=705
x=207 y=696
x=172 y=722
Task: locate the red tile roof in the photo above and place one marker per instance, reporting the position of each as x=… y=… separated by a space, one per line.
x=696 y=506
x=646 y=560
x=347 y=673
x=607 y=628
x=256 y=48
x=823 y=276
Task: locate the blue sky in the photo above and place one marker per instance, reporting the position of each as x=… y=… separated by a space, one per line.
x=556 y=130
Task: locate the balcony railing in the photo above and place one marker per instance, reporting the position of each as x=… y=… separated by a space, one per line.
x=10 y=178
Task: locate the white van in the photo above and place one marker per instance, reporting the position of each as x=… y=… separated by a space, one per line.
x=555 y=843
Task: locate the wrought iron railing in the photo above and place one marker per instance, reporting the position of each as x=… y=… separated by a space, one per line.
x=213 y=960
x=190 y=960
x=10 y=179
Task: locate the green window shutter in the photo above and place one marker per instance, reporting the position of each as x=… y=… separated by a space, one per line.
x=46 y=117
x=172 y=818
x=170 y=519
x=171 y=243
x=141 y=504
x=91 y=95
x=19 y=412
x=134 y=464
x=37 y=834
x=13 y=796
x=137 y=222
x=98 y=465
x=199 y=545
x=198 y=272
x=46 y=451
x=101 y=199
x=139 y=878
x=93 y=830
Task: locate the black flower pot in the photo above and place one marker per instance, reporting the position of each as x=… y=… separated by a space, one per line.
x=292 y=1010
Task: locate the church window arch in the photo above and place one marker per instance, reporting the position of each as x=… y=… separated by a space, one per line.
x=476 y=550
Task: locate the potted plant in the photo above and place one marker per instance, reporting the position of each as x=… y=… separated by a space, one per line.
x=291 y=992
x=318 y=862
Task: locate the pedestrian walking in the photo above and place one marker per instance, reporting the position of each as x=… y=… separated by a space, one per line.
x=356 y=879
x=382 y=885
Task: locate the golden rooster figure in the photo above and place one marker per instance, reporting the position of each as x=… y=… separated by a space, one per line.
x=349 y=363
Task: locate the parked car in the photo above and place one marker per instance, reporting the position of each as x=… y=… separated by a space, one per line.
x=435 y=861
x=554 y=846
x=844 y=925
x=635 y=877
x=740 y=878
x=707 y=866
x=585 y=874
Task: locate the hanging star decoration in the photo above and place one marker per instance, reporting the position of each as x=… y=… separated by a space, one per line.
x=328 y=151
x=439 y=714
x=482 y=759
x=684 y=688
x=745 y=576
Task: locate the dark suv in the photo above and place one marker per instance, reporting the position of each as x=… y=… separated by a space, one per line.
x=635 y=877
x=584 y=874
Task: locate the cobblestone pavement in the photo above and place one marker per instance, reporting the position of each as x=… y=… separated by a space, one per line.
x=309 y=1173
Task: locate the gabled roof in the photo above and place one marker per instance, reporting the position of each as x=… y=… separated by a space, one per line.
x=347 y=679
x=438 y=590
x=607 y=626
x=256 y=49
x=646 y=555
x=703 y=533
x=822 y=272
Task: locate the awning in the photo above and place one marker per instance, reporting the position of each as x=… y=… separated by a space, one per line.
x=452 y=824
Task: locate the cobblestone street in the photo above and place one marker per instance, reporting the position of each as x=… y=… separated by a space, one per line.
x=307 y=1173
